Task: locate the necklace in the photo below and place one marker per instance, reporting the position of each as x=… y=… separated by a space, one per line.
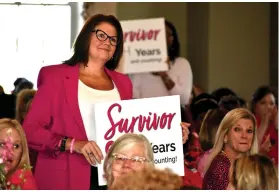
x=225 y=154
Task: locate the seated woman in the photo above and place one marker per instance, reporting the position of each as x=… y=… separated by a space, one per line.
x=255 y=172
x=264 y=105
x=207 y=135
x=23 y=103
x=236 y=137
x=148 y=179
x=130 y=152
x=14 y=152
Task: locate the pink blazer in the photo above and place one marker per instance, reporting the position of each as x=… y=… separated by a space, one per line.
x=55 y=113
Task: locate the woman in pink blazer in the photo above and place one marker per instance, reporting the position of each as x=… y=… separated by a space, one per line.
x=60 y=124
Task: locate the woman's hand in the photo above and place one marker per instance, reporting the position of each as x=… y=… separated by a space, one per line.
x=90 y=150
x=275 y=117
x=266 y=145
x=185 y=131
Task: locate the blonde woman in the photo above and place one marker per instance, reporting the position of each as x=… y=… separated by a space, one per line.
x=255 y=172
x=130 y=152
x=236 y=137
x=17 y=163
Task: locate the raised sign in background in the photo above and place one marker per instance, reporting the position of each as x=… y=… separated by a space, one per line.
x=145 y=47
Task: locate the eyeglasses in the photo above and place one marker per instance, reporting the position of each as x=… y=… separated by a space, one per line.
x=102 y=36
x=121 y=159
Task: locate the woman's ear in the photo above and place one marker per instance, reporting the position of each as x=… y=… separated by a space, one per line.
x=226 y=139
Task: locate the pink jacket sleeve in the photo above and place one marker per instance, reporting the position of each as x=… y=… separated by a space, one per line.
x=38 y=121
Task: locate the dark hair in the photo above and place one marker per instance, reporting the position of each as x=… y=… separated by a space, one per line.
x=82 y=43
x=221 y=92
x=174 y=50
x=18 y=80
x=201 y=104
x=23 y=84
x=230 y=102
x=260 y=93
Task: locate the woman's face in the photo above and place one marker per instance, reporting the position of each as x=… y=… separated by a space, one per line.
x=240 y=137
x=130 y=159
x=10 y=139
x=169 y=36
x=103 y=42
x=265 y=105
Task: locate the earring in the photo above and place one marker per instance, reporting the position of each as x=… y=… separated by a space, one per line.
x=111 y=58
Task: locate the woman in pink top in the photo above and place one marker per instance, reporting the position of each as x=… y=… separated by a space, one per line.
x=59 y=123
x=55 y=125
x=264 y=106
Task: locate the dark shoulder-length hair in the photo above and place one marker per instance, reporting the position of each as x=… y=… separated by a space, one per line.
x=174 y=50
x=260 y=93
x=82 y=43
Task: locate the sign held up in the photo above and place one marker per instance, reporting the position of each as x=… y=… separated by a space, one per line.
x=159 y=123
x=145 y=47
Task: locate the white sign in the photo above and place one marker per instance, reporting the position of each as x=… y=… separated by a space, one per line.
x=162 y=128
x=145 y=47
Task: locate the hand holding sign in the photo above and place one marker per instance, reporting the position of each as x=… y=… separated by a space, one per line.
x=163 y=73
x=185 y=131
x=90 y=150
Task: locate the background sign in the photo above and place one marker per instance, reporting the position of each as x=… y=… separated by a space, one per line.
x=145 y=47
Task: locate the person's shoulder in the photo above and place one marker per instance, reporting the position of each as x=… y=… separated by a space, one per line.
x=54 y=68
x=182 y=60
x=51 y=73
x=19 y=174
x=23 y=178
x=182 y=63
x=221 y=161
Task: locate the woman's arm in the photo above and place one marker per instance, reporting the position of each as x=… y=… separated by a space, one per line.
x=183 y=84
x=39 y=121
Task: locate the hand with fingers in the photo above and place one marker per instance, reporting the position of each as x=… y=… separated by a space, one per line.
x=266 y=115
x=90 y=150
x=185 y=131
x=266 y=145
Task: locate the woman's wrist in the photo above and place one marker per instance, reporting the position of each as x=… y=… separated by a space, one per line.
x=62 y=144
x=68 y=144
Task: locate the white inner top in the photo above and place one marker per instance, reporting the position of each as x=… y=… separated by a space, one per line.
x=87 y=97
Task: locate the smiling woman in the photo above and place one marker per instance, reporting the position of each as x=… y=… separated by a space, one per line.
x=67 y=132
x=130 y=152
